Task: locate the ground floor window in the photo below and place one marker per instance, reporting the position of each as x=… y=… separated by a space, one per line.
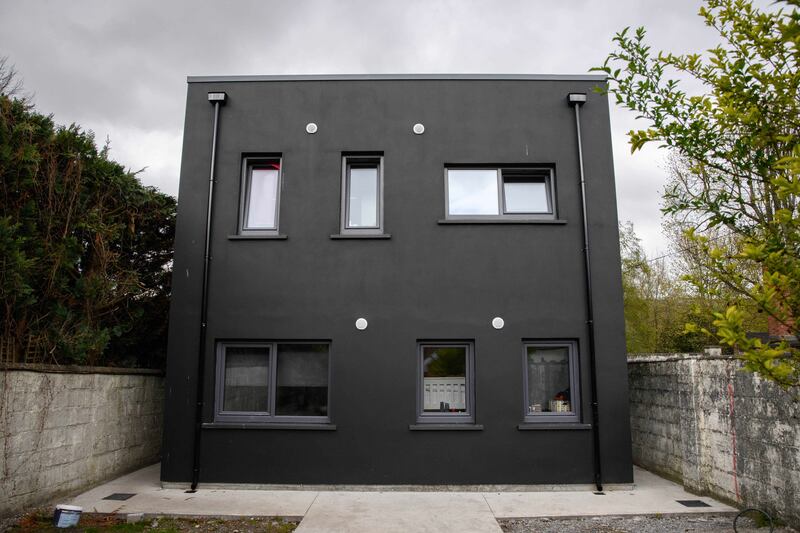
x=445 y=382
x=551 y=381
x=272 y=382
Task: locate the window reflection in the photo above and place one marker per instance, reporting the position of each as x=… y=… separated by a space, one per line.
x=246 y=379
x=362 y=208
x=525 y=196
x=302 y=380
x=548 y=380
x=444 y=379
x=472 y=192
x=262 y=199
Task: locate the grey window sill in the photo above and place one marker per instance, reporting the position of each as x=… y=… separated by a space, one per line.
x=550 y=426
x=257 y=237
x=361 y=236
x=446 y=427
x=256 y=425
x=501 y=221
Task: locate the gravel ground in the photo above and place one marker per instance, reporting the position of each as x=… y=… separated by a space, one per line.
x=720 y=523
x=41 y=521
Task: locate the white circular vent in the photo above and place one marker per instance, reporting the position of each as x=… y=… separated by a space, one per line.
x=418 y=128
x=498 y=323
x=361 y=324
x=311 y=127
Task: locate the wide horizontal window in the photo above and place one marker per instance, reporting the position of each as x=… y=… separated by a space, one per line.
x=514 y=193
x=272 y=382
x=551 y=381
x=260 y=198
x=445 y=383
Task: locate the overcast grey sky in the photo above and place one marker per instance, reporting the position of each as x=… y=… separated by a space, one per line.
x=119 y=68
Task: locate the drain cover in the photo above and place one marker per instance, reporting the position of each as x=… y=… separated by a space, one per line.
x=121 y=496
x=692 y=503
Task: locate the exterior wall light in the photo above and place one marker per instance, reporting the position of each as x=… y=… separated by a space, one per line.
x=361 y=324
x=311 y=128
x=498 y=323
x=217 y=98
x=576 y=98
x=418 y=128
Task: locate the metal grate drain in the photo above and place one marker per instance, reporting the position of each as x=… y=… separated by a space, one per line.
x=692 y=503
x=121 y=496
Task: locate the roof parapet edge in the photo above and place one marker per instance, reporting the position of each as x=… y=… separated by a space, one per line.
x=396 y=77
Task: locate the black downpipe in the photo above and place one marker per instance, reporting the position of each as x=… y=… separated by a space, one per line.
x=201 y=351
x=576 y=100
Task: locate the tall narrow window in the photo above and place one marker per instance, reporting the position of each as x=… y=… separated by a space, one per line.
x=260 y=195
x=551 y=382
x=272 y=382
x=500 y=193
x=446 y=383
x=246 y=380
x=362 y=195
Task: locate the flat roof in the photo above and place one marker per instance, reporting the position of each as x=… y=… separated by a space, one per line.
x=373 y=77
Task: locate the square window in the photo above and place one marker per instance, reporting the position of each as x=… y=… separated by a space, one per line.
x=472 y=192
x=261 y=185
x=272 y=382
x=551 y=382
x=445 y=383
x=499 y=193
x=362 y=195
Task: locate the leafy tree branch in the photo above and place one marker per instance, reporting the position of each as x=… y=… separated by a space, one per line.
x=739 y=164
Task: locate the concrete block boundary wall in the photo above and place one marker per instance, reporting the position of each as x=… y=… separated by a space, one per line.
x=64 y=429
x=719 y=430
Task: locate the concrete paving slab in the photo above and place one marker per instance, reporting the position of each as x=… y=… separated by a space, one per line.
x=400 y=512
x=152 y=499
x=651 y=495
x=397 y=510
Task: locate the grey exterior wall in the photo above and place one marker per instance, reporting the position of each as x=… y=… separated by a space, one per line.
x=63 y=432
x=719 y=430
x=429 y=281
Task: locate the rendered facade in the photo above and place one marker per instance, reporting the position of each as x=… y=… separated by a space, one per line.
x=390 y=284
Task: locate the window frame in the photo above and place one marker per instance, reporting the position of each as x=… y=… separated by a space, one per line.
x=269 y=416
x=365 y=159
x=510 y=171
x=466 y=418
x=248 y=163
x=574 y=383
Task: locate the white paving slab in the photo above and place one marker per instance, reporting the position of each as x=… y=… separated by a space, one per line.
x=400 y=512
x=152 y=499
x=651 y=495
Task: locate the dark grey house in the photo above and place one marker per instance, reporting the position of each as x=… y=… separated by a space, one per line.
x=397 y=280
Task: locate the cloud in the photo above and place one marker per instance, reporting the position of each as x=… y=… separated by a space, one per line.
x=119 y=68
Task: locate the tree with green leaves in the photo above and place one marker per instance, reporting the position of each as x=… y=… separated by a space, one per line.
x=85 y=248
x=739 y=141
x=657 y=303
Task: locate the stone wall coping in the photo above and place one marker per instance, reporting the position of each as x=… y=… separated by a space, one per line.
x=77 y=369
x=634 y=358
